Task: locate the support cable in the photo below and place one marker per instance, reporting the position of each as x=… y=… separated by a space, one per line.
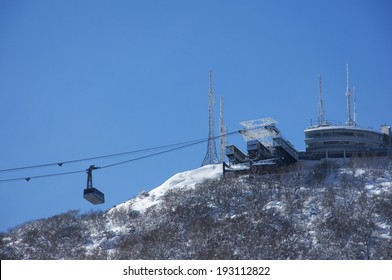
x=96 y=157
x=179 y=146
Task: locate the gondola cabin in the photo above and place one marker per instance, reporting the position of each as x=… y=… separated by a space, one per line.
x=90 y=193
x=94 y=196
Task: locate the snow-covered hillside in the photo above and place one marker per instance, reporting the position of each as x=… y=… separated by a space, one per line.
x=183 y=180
x=322 y=210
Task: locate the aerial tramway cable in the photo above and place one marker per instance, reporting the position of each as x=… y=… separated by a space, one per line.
x=171 y=148
x=61 y=163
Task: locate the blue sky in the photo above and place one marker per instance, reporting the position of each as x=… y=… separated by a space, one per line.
x=87 y=78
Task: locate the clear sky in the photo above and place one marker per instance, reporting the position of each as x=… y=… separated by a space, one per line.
x=87 y=78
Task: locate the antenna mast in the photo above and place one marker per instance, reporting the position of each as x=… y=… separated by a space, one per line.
x=210 y=157
x=355 y=107
x=348 y=94
x=222 y=132
x=321 y=117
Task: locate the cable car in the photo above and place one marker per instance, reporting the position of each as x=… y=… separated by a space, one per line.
x=94 y=196
x=90 y=193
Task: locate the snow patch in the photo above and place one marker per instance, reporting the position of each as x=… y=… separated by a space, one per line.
x=187 y=179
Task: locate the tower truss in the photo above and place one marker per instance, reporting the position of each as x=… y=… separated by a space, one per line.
x=211 y=156
x=222 y=133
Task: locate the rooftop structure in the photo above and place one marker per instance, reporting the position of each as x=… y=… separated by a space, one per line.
x=265 y=144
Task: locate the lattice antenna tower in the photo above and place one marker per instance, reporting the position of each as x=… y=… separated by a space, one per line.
x=321 y=115
x=348 y=94
x=211 y=156
x=222 y=132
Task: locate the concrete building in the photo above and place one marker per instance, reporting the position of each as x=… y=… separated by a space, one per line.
x=326 y=140
x=331 y=141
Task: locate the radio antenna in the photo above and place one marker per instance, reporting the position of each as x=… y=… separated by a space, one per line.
x=348 y=94
x=321 y=117
x=355 y=107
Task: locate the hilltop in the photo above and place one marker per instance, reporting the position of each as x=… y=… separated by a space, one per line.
x=322 y=210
